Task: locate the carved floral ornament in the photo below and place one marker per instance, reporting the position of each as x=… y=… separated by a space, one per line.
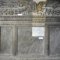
x=20 y=6
x=41 y=10
x=48 y=11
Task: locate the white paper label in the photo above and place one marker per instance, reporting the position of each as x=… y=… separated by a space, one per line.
x=38 y=31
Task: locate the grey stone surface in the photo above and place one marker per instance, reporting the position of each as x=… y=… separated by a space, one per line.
x=27 y=44
x=6 y=40
x=54 y=40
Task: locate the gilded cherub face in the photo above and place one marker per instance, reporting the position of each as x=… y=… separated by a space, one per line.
x=40 y=4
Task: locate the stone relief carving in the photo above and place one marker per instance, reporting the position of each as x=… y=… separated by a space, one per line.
x=12 y=7
x=25 y=7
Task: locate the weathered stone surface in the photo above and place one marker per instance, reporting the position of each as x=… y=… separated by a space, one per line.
x=54 y=40
x=27 y=44
x=6 y=40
